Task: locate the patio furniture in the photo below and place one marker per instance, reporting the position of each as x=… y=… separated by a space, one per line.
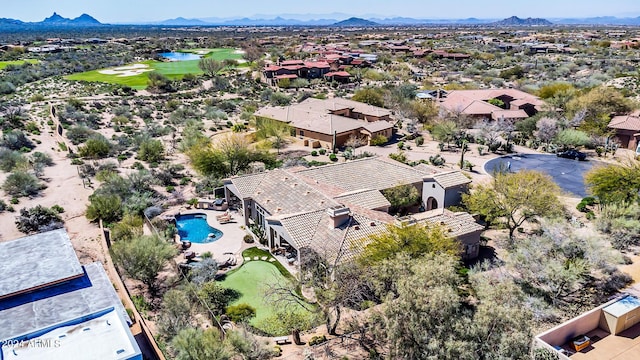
x=186 y=244
x=224 y=214
x=282 y=340
x=225 y=219
x=580 y=342
x=189 y=255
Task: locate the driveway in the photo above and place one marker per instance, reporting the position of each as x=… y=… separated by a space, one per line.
x=568 y=174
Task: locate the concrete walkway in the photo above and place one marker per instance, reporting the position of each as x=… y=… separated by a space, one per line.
x=232 y=234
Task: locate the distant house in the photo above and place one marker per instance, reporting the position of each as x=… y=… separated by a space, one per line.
x=518 y=104
x=627 y=128
x=330 y=67
x=61 y=309
x=610 y=331
x=331 y=122
x=333 y=209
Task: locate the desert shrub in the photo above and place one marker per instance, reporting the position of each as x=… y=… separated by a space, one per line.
x=38 y=219
x=241 y=312
x=16 y=140
x=151 y=151
x=314 y=153
x=379 y=140
x=317 y=339
x=436 y=160
x=419 y=141
x=11 y=159
x=21 y=183
x=79 y=134
x=248 y=239
x=96 y=147
x=333 y=157
x=399 y=156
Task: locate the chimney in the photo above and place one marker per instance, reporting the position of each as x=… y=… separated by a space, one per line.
x=339 y=214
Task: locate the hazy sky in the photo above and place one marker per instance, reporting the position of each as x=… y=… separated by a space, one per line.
x=113 y=11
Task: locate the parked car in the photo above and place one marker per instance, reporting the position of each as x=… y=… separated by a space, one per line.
x=572 y=154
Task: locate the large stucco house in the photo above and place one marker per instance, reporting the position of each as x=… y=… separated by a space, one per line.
x=330 y=123
x=333 y=209
x=480 y=104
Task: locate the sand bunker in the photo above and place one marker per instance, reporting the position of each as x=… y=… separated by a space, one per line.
x=129 y=70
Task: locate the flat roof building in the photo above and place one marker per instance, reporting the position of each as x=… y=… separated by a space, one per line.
x=52 y=307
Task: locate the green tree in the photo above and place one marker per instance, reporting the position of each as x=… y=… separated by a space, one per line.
x=142 y=258
x=369 y=95
x=175 y=313
x=402 y=197
x=615 y=183
x=420 y=317
x=599 y=103
x=413 y=240
x=445 y=131
x=570 y=138
x=38 y=219
x=564 y=267
x=210 y=66
x=216 y=297
x=230 y=155
x=514 y=198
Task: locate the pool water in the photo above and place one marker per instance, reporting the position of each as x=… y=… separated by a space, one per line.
x=195 y=228
x=179 y=56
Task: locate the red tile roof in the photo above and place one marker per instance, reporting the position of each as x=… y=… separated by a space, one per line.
x=291 y=62
x=338 y=74
x=626 y=122
x=317 y=64
x=272 y=68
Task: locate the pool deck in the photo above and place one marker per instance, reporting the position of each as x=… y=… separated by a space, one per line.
x=232 y=235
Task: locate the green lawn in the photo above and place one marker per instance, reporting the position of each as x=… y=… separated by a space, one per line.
x=251 y=279
x=4 y=64
x=217 y=54
x=172 y=70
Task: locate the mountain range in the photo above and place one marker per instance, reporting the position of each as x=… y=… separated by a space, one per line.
x=54 y=20
x=332 y=19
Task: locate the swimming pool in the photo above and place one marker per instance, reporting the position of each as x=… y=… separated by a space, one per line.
x=180 y=56
x=194 y=228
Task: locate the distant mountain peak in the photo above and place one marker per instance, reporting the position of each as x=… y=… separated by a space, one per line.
x=86 y=19
x=354 y=21
x=516 y=21
x=55 y=18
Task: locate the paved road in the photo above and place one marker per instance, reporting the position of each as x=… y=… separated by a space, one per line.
x=568 y=174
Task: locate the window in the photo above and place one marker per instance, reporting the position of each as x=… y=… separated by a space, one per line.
x=301 y=132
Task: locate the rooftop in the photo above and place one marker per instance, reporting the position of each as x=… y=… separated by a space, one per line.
x=626 y=122
x=102 y=336
x=49 y=258
x=613 y=330
x=336 y=244
x=350 y=176
x=66 y=301
x=457 y=223
x=366 y=198
x=451 y=179
x=281 y=192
